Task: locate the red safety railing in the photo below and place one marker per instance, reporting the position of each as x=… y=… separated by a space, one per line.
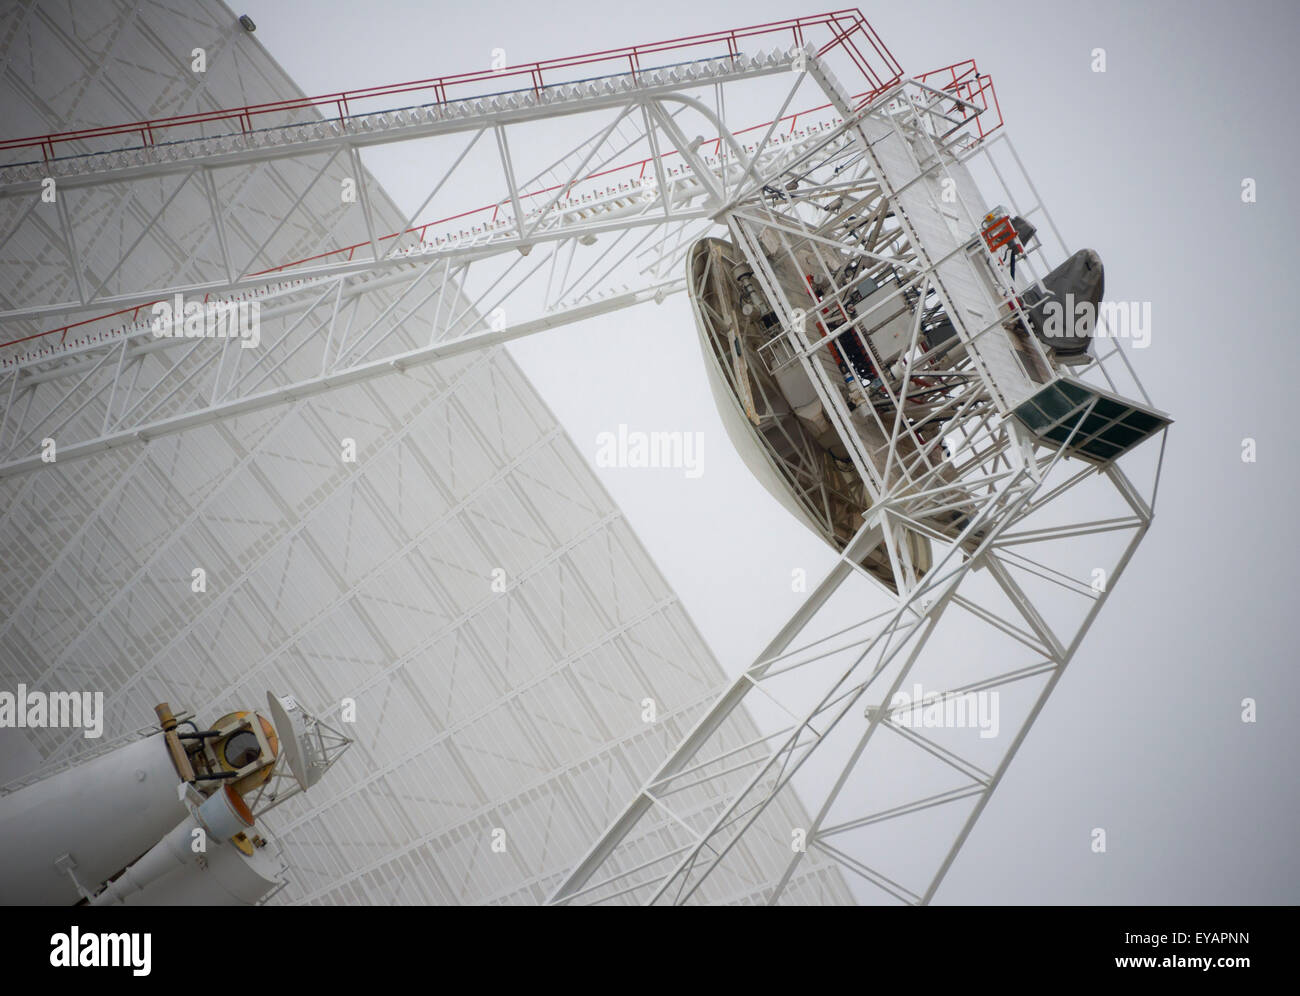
x=848 y=31
x=964 y=80
x=638 y=166
x=961 y=78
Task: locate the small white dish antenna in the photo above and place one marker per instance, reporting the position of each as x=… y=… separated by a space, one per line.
x=287 y=718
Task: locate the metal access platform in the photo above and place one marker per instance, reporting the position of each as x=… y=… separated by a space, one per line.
x=1087 y=421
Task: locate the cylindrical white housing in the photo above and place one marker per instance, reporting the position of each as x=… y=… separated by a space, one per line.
x=219 y=818
x=104 y=813
x=228 y=878
x=168 y=854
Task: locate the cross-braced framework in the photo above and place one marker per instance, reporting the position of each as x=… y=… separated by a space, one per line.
x=908 y=749
x=477 y=707
x=608 y=172
x=957 y=495
x=898 y=784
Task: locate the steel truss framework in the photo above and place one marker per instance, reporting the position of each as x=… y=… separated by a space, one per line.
x=903 y=797
x=593 y=221
x=649 y=163
x=951 y=468
x=477 y=708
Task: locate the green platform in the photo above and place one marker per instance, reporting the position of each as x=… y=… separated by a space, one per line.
x=1113 y=427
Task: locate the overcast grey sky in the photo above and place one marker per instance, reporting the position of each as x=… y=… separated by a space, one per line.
x=1143 y=163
